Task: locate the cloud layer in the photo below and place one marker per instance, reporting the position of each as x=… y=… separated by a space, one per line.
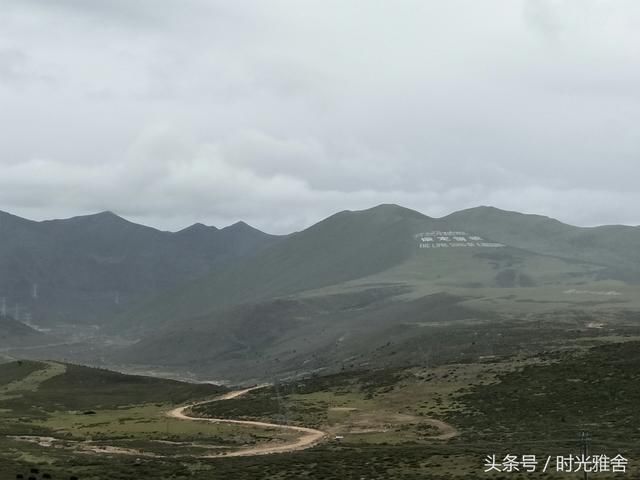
x=282 y=112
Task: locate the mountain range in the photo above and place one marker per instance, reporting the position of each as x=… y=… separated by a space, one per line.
x=85 y=270
x=358 y=282
x=356 y=245
x=358 y=287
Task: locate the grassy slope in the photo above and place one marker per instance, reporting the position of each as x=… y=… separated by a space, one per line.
x=384 y=416
x=351 y=246
x=519 y=405
x=326 y=326
x=598 y=391
x=617 y=247
x=363 y=327
x=76 y=387
x=345 y=246
x=14 y=371
x=84 y=408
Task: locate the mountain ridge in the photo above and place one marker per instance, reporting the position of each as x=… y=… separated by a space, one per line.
x=87 y=268
x=351 y=245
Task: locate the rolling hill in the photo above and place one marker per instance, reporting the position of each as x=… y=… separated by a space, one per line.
x=615 y=246
x=358 y=281
x=345 y=246
x=36 y=387
x=356 y=245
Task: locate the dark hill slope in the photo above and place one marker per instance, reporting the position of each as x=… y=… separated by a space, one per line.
x=79 y=387
x=294 y=334
x=18 y=334
x=353 y=245
x=345 y=246
x=86 y=269
x=286 y=303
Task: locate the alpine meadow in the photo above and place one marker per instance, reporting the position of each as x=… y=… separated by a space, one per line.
x=319 y=240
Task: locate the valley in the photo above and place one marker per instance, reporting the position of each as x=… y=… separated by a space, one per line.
x=373 y=344
x=423 y=421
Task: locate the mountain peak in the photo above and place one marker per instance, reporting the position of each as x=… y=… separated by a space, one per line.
x=497 y=214
x=484 y=209
x=392 y=210
x=392 y=207
x=12 y=217
x=241 y=227
x=104 y=215
x=198 y=227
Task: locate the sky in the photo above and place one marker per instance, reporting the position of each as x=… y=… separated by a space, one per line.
x=282 y=112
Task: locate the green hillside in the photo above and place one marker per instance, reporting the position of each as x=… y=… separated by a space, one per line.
x=345 y=246
x=354 y=245
x=357 y=281
x=617 y=247
x=74 y=387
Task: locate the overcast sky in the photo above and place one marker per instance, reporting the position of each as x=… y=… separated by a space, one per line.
x=280 y=113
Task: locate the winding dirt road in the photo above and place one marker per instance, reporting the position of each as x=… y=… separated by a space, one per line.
x=308 y=439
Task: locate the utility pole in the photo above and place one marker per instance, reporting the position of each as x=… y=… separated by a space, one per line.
x=3 y=310
x=34 y=291
x=281 y=406
x=585 y=440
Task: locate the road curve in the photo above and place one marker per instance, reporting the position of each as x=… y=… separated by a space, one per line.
x=309 y=436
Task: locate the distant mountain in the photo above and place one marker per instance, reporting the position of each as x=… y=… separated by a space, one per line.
x=358 y=281
x=345 y=246
x=352 y=245
x=614 y=246
x=87 y=269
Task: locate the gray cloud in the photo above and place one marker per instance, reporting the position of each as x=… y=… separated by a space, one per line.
x=280 y=113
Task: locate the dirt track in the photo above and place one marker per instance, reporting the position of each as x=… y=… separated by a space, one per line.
x=309 y=438
x=447 y=430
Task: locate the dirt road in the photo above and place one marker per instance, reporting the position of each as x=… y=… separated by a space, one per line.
x=447 y=431
x=309 y=437
x=306 y=437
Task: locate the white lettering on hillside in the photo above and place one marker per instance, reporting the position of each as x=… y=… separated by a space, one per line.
x=440 y=239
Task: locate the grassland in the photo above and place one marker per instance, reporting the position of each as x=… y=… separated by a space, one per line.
x=521 y=404
x=52 y=414
x=434 y=419
x=373 y=320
